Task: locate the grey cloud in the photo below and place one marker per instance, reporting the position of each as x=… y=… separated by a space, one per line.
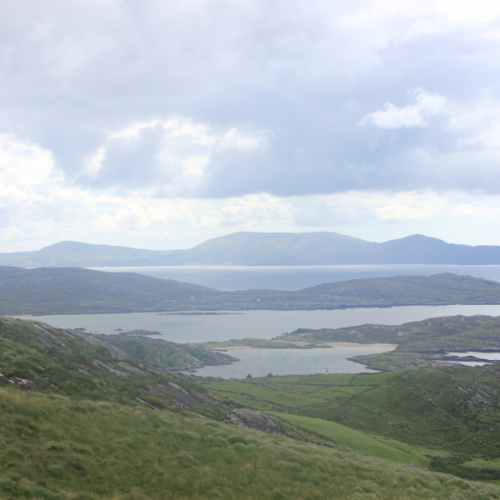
x=131 y=162
x=323 y=215
x=72 y=74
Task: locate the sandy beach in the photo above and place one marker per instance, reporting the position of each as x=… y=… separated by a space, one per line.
x=330 y=344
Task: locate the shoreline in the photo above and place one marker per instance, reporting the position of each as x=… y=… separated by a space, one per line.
x=238 y=311
x=329 y=344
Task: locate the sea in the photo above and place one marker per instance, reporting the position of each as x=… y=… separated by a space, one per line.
x=226 y=325
x=231 y=278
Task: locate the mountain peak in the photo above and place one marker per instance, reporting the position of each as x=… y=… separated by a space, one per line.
x=264 y=249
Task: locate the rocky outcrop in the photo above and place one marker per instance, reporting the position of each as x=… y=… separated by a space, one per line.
x=23 y=383
x=253 y=420
x=122 y=369
x=180 y=397
x=160 y=354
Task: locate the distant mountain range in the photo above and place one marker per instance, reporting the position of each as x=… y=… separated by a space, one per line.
x=263 y=249
x=76 y=291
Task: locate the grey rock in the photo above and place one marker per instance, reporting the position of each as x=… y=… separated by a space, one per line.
x=23 y=383
x=253 y=420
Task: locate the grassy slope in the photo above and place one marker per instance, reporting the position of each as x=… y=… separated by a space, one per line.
x=91 y=438
x=374 y=446
x=65 y=363
x=448 y=410
x=57 y=448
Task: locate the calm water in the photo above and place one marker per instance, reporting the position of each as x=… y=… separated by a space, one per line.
x=294 y=277
x=473 y=363
x=494 y=356
x=259 y=363
x=268 y=324
x=257 y=324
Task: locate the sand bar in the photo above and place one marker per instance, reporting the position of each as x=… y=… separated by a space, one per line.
x=331 y=344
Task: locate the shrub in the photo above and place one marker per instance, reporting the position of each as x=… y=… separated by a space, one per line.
x=56 y=470
x=216 y=441
x=237 y=439
x=190 y=436
x=239 y=447
x=292 y=467
x=127 y=442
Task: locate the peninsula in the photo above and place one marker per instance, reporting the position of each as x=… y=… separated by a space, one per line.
x=77 y=291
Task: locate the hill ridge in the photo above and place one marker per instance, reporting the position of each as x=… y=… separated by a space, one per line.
x=78 y=291
x=264 y=249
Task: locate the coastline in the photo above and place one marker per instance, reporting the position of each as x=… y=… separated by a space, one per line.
x=329 y=344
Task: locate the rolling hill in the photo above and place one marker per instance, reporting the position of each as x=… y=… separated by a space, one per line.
x=450 y=412
x=75 y=291
x=263 y=249
x=78 y=424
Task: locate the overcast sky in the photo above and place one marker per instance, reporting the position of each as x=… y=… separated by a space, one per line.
x=159 y=124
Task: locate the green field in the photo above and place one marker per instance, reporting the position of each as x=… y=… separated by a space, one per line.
x=453 y=411
x=297 y=391
x=56 y=448
x=374 y=446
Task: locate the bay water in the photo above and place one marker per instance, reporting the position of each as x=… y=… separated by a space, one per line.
x=257 y=324
x=202 y=327
x=230 y=278
x=260 y=362
x=266 y=325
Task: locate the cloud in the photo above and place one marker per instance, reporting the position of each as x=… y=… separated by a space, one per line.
x=38 y=207
x=425 y=105
x=476 y=211
x=294 y=81
x=405 y=206
x=167 y=159
x=137 y=110
x=322 y=214
x=37 y=204
x=357 y=208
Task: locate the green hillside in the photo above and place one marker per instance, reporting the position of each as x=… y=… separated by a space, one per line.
x=53 y=447
x=34 y=355
x=452 y=412
x=78 y=424
x=375 y=446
